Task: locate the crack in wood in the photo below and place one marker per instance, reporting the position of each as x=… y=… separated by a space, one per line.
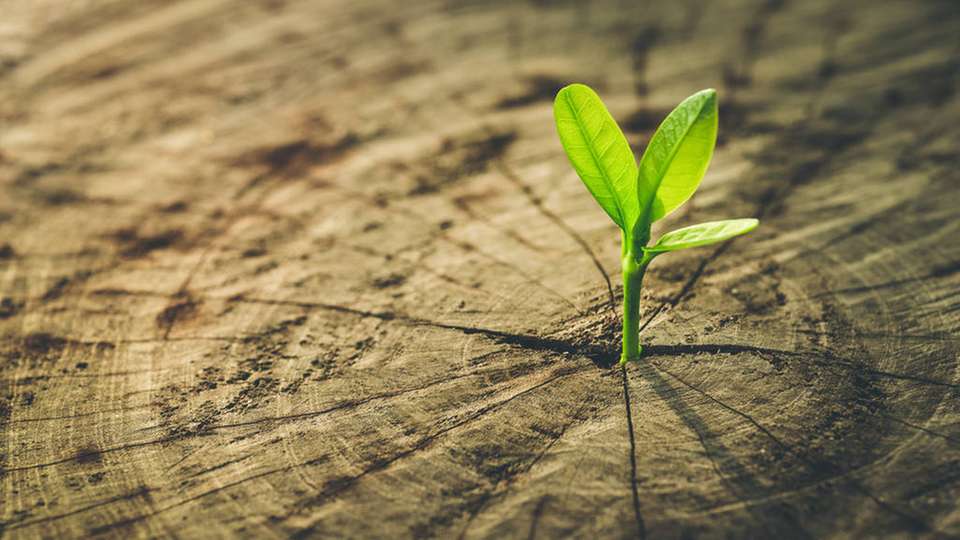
x=510 y=175
x=337 y=487
x=637 y=514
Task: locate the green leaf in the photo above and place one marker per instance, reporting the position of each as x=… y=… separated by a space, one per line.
x=598 y=152
x=676 y=158
x=703 y=234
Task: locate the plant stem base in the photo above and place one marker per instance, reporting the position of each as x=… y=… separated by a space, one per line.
x=624 y=358
x=633 y=271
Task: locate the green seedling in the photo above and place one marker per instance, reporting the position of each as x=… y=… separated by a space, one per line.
x=637 y=195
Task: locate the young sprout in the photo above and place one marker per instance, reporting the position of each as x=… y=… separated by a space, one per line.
x=635 y=196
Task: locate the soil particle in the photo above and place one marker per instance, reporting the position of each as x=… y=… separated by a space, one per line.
x=202 y=418
x=7 y=252
x=252 y=395
x=239 y=376
x=327 y=365
x=208 y=379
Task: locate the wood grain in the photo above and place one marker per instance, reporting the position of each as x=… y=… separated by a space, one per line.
x=321 y=270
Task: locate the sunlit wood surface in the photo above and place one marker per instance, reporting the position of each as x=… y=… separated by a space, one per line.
x=321 y=269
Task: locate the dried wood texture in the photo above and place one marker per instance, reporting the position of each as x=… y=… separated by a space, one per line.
x=321 y=269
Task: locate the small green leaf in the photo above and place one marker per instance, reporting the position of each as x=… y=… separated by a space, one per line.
x=598 y=152
x=676 y=158
x=703 y=234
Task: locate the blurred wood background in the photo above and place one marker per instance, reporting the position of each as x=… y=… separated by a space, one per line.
x=321 y=269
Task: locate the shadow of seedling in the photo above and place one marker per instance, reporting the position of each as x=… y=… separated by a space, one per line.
x=740 y=482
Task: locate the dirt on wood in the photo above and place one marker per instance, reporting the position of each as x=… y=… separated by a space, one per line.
x=320 y=269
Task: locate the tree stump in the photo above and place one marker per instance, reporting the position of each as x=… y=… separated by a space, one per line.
x=322 y=270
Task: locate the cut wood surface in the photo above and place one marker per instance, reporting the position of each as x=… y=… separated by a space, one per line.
x=322 y=269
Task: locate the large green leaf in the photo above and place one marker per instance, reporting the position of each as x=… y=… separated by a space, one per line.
x=598 y=152
x=677 y=157
x=703 y=234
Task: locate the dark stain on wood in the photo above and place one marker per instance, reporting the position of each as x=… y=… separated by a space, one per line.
x=88 y=455
x=540 y=88
x=178 y=311
x=134 y=245
x=9 y=307
x=457 y=159
x=42 y=343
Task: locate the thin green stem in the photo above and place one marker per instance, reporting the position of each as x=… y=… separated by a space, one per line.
x=633 y=271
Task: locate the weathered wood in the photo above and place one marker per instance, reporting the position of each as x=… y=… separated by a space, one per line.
x=321 y=269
